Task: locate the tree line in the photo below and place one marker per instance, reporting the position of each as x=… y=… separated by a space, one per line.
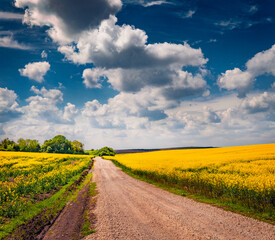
x=58 y=144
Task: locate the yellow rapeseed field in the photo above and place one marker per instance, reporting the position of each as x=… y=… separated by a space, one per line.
x=243 y=174
x=25 y=177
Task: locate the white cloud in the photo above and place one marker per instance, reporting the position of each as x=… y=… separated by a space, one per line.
x=153 y=3
x=113 y=46
x=44 y=54
x=11 y=16
x=146 y=3
x=211 y=116
x=35 y=71
x=9 y=42
x=63 y=17
x=70 y=112
x=236 y=79
x=229 y=24
x=121 y=53
x=188 y=14
x=9 y=108
x=53 y=94
x=126 y=121
x=260 y=103
x=148 y=111
x=262 y=63
x=92 y=78
x=44 y=107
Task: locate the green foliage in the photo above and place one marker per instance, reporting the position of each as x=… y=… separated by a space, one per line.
x=59 y=144
x=77 y=147
x=8 y=145
x=105 y=151
x=28 y=145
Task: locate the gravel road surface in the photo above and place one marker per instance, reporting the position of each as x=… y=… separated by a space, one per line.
x=131 y=209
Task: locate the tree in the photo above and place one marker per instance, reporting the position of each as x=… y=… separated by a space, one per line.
x=77 y=146
x=6 y=142
x=8 y=145
x=33 y=146
x=105 y=151
x=59 y=144
x=22 y=144
x=28 y=145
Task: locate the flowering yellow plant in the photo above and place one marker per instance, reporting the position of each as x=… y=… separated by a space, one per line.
x=244 y=173
x=23 y=176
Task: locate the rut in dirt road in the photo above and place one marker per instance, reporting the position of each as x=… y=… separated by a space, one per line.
x=131 y=209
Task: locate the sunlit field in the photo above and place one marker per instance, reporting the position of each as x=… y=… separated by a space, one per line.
x=243 y=175
x=26 y=178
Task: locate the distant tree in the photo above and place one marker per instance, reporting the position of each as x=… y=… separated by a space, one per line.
x=33 y=146
x=77 y=146
x=8 y=145
x=59 y=144
x=6 y=142
x=28 y=145
x=105 y=151
x=22 y=144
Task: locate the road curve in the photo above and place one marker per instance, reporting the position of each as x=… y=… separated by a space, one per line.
x=131 y=209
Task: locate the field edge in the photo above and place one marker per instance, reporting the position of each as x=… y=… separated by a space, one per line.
x=227 y=206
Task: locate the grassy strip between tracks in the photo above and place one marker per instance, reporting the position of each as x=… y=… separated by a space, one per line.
x=176 y=189
x=89 y=217
x=37 y=216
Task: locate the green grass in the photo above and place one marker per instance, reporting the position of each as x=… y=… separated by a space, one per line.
x=177 y=189
x=86 y=228
x=52 y=206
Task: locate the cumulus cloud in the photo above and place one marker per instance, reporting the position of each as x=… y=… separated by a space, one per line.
x=260 y=103
x=119 y=53
x=133 y=120
x=53 y=95
x=35 y=71
x=9 y=42
x=261 y=63
x=236 y=79
x=113 y=46
x=45 y=106
x=70 y=112
x=9 y=108
x=92 y=77
x=211 y=116
x=67 y=19
x=126 y=110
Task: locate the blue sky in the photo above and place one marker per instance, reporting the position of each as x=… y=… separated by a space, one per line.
x=138 y=74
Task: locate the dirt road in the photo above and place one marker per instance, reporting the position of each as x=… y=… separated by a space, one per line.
x=131 y=209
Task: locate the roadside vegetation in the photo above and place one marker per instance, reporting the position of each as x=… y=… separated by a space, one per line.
x=105 y=151
x=241 y=177
x=37 y=183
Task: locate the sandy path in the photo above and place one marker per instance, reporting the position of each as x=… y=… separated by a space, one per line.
x=131 y=209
